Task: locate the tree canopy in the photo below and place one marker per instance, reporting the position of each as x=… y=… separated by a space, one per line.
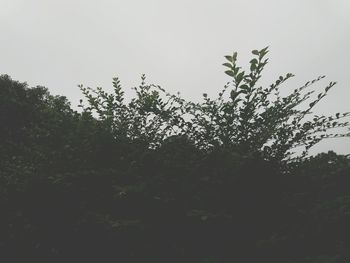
x=245 y=116
x=158 y=178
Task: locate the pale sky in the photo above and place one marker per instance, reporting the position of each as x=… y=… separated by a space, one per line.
x=178 y=44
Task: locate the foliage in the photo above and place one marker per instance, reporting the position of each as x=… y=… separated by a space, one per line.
x=162 y=179
x=251 y=120
x=148 y=118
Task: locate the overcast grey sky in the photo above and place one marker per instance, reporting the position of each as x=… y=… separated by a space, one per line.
x=177 y=44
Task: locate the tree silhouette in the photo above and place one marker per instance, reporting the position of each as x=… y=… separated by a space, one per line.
x=251 y=119
x=162 y=179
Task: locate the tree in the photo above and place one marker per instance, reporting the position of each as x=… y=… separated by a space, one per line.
x=162 y=179
x=246 y=118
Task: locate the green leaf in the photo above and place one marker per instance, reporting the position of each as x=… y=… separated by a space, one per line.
x=227 y=65
x=252 y=67
x=240 y=77
x=234 y=56
x=255 y=52
x=264 y=50
x=230 y=73
x=229 y=58
x=233 y=94
x=235 y=71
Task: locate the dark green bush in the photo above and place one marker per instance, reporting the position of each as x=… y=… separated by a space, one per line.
x=161 y=179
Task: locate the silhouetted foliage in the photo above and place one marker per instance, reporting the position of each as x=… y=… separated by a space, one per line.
x=161 y=179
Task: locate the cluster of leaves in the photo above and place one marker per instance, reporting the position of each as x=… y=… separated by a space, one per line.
x=148 y=118
x=263 y=119
x=251 y=120
x=162 y=179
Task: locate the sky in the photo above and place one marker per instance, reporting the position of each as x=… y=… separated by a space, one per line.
x=179 y=45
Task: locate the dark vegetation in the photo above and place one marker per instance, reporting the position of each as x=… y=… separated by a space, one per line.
x=161 y=179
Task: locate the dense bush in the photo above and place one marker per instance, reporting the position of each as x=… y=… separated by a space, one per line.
x=161 y=179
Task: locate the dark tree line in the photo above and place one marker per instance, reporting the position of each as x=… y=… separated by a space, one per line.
x=161 y=179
